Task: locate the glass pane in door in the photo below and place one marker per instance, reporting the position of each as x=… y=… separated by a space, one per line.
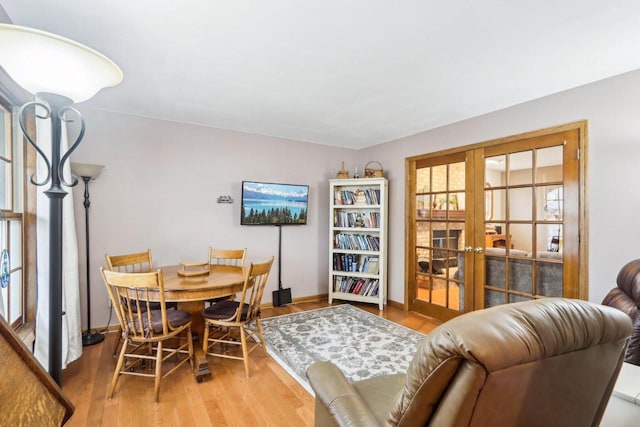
x=546 y=164
x=520 y=168
x=439 y=239
x=522 y=256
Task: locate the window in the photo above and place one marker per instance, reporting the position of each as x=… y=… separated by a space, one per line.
x=5 y=159
x=11 y=221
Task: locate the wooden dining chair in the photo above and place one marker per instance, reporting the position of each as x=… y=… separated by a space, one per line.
x=150 y=334
x=231 y=257
x=139 y=262
x=224 y=318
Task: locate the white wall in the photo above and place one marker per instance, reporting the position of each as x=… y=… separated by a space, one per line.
x=4 y=18
x=159 y=187
x=611 y=106
x=161 y=181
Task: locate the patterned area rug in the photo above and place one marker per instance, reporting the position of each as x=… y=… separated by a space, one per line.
x=361 y=344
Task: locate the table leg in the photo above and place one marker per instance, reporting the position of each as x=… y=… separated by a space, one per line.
x=201 y=364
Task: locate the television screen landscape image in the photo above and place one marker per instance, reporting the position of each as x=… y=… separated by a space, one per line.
x=265 y=203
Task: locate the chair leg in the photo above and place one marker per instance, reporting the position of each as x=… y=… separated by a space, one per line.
x=117 y=343
x=259 y=328
x=158 y=370
x=116 y=373
x=245 y=352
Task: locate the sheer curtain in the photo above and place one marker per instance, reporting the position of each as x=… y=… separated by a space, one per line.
x=71 y=320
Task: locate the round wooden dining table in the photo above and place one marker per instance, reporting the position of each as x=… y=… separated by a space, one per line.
x=191 y=292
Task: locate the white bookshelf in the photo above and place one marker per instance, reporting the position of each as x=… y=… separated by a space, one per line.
x=358 y=240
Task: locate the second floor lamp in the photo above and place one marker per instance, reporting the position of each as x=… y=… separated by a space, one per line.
x=88 y=172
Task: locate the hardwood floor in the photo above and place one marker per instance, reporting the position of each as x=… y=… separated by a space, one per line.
x=270 y=397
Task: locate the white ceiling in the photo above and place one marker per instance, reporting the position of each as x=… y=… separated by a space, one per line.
x=350 y=73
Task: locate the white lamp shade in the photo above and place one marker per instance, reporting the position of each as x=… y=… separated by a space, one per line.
x=86 y=169
x=44 y=62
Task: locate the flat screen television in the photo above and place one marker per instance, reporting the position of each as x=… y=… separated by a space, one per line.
x=266 y=203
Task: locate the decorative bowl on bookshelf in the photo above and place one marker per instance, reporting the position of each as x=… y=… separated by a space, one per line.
x=361 y=198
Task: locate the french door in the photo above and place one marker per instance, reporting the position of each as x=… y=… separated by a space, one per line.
x=496 y=223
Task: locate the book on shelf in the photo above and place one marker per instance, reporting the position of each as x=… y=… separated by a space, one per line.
x=372 y=196
x=344 y=197
x=371 y=219
x=374 y=290
x=360 y=242
x=355 y=285
x=369 y=265
x=348 y=197
x=371 y=286
x=356 y=219
x=350 y=262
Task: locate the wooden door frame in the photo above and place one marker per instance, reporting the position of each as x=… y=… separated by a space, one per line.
x=583 y=203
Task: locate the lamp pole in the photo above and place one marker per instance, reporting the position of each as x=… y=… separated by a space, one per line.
x=88 y=338
x=55 y=106
x=88 y=172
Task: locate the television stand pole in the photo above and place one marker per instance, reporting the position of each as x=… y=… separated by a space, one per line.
x=280 y=296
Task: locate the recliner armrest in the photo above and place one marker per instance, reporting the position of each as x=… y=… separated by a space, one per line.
x=340 y=399
x=619 y=299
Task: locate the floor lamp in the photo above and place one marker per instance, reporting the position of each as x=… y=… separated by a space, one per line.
x=59 y=72
x=88 y=172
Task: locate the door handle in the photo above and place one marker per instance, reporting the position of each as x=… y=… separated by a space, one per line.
x=468 y=248
x=478 y=250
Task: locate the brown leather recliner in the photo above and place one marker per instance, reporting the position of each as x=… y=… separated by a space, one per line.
x=538 y=363
x=626 y=297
